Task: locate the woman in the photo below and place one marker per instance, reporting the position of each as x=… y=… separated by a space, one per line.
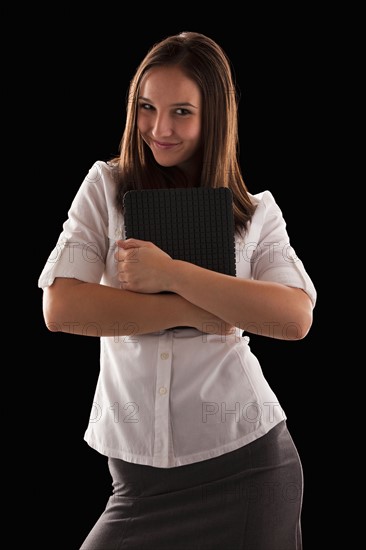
x=197 y=443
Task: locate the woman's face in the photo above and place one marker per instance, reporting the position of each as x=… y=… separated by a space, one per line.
x=169 y=117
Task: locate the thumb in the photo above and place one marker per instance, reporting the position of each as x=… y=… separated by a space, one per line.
x=131 y=243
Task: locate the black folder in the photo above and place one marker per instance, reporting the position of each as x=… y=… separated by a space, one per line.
x=191 y=224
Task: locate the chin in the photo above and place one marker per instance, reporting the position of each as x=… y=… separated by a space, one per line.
x=165 y=164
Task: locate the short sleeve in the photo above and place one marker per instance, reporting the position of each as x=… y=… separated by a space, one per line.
x=82 y=247
x=271 y=254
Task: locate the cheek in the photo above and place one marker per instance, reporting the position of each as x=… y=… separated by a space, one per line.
x=194 y=136
x=142 y=123
x=193 y=132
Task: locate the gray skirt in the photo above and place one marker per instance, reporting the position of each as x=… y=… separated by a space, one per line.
x=248 y=499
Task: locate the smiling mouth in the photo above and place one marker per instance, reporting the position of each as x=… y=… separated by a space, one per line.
x=161 y=145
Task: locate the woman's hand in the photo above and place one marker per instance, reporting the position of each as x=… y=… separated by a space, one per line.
x=143 y=267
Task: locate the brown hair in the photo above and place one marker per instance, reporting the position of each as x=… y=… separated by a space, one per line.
x=203 y=61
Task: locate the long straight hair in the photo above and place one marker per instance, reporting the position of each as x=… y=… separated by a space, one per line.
x=204 y=62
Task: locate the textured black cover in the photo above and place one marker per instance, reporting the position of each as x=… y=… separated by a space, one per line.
x=193 y=224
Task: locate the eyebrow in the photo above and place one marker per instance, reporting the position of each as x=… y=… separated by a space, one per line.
x=183 y=104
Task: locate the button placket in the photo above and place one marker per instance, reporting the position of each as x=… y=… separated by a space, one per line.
x=162 y=412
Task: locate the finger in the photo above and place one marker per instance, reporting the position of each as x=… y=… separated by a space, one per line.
x=120 y=254
x=126 y=254
x=133 y=243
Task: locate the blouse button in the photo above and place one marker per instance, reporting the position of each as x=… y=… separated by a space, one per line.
x=164 y=355
x=162 y=391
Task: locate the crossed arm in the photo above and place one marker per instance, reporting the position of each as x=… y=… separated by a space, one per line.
x=158 y=293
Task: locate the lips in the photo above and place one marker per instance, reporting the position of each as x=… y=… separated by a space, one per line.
x=162 y=145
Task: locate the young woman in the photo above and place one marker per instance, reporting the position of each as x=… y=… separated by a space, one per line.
x=197 y=443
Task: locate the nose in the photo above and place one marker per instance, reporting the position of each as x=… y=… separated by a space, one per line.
x=163 y=125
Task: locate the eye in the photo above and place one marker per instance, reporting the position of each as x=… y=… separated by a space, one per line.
x=145 y=106
x=181 y=111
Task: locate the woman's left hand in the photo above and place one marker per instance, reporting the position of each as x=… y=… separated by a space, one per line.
x=143 y=266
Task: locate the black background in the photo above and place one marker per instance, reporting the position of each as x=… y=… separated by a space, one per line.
x=74 y=113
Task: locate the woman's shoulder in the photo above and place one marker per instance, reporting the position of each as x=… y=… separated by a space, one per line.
x=266 y=206
x=98 y=188
x=100 y=170
x=99 y=178
x=264 y=198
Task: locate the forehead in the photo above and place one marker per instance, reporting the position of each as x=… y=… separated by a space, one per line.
x=169 y=83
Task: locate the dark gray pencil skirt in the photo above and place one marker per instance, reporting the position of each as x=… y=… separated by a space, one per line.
x=248 y=499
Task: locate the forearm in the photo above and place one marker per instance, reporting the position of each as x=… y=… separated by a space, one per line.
x=260 y=307
x=76 y=307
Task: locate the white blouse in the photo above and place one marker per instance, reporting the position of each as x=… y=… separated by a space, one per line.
x=177 y=396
